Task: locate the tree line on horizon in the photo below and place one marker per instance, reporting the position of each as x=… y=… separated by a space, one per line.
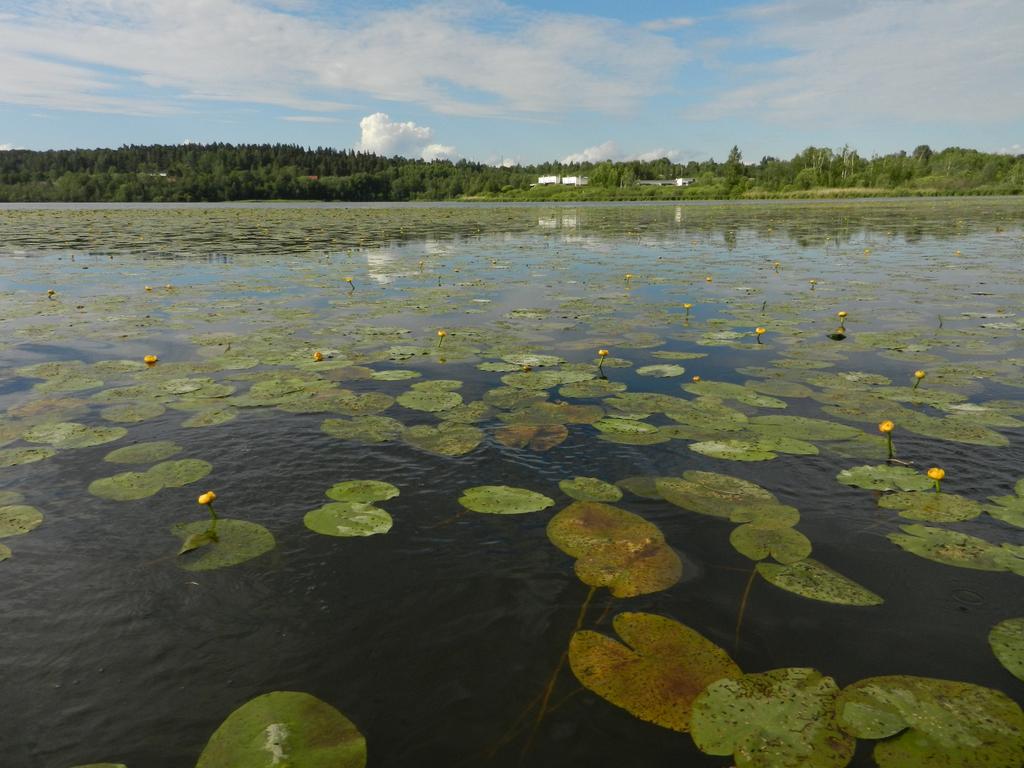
x=226 y=172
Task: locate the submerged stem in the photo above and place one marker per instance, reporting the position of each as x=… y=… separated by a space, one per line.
x=743 y=605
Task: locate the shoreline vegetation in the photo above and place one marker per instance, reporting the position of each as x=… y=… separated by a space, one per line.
x=251 y=172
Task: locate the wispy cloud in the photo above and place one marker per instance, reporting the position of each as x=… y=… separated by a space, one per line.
x=609 y=150
x=457 y=56
x=310 y=119
x=915 y=61
x=664 y=25
x=383 y=136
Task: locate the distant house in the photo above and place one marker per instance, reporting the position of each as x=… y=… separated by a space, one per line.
x=572 y=181
x=666 y=182
x=313 y=178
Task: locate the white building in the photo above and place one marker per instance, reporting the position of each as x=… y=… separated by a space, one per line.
x=666 y=182
x=572 y=181
x=549 y=180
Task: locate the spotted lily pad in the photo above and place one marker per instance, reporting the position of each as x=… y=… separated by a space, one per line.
x=656 y=673
x=285 y=728
x=448 y=438
x=931 y=507
x=132 y=413
x=362 y=490
x=958 y=549
x=711 y=493
x=177 y=474
x=503 y=500
x=536 y=438
x=68 y=434
x=802 y=428
x=809 y=578
x=783 y=543
x=348 y=518
x=366 y=429
x=884 y=477
x=1007 y=641
x=16 y=519
x=733 y=450
x=430 y=400
x=144 y=453
x=5 y=553
x=661 y=371
x=778 y=719
x=929 y=723
x=590 y=489
x=7 y=498
x=237 y=541
x=126 y=486
x=615 y=549
x=1009 y=509
x=548 y=414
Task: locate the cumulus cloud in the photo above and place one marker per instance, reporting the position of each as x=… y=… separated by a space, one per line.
x=469 y=57
x=609 y=150
x=1013 y=149
x=940 y=60
x=382 y=136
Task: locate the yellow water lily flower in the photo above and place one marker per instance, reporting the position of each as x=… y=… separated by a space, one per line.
x=150 y=359
x=207 y=498
x=318 y=356
x=440 y=337
x=707 y=279
x=760 y=332
x=886 y=428
x=51 y=293
x=602 y=353
x=149 y=288
x=937 y=474
x=696 y=379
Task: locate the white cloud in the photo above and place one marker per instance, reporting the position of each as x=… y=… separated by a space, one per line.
x=1013 y=149
x=6 y=147
x=609 y=150
x=847 y=62
x=309 y=119
x=663 y=25
x=482 y=57
x=382 y=136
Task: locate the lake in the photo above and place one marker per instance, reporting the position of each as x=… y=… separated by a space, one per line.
x=512 y=485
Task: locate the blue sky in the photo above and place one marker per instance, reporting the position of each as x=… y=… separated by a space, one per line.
x=516 y=81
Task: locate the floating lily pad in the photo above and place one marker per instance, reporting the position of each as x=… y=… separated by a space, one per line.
x=448 y=438
x=468 y=413
x=16 y=519
x=710 y=493
x=210 y=417
x=625 y=426
x=430 y=400
x=615 y=549
x=728 y=391
x=1007 y=641
x=285 y=728
x=537 y=380
x=367 y=429
x=534 y=361
x=662 y=371
x=348 y=518
x=732 y=450
x=237 y=541
x=126 y=486
x=536 y=438
x=177 y=474
x=590 y=489
x=8 y=498
x=68 y=434
x=958 y=549
x=547 y=414
x=12 y=457
x=395 y=375
x=5 y=553
x=757 y=542
x=132 y=413
x=591 y=388
x=929 y=723
x=802 y=428
x=776 y=719
x=144 y=453
x=503 y=500
x=885 y=477
x=809 y=578
x=362 y=490
x=931 y=507
x=656 y=674
x=1009 y=509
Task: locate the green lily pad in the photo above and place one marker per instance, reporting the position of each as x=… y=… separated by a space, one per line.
x=16 y=457
x=728 y=391
x=958 y=549
x=1009 y=509
x=777 y=719
x=285 y=728
x=624 y=426
x=362 y=490
x=615 y=549
x=644 y=486
x=7 y=498
x=132 y=413
x=590 y=489
x=931 y=507
x=802 y=428
x=538 y=380
x=710 y=493
x=448 y=438
x=732 y=450
x=68 y=434
x=430 y=400
x=757 y=542
x=237 y=541
x=367 y=429
x=503 y=500
x=885 y=477
x=5 y=553
x=468 y=413
x=126 y=486
x=809 y=578
x=16 y=519
x=929 y=723
x=591 y=388
x=542 y=438
x=547 y=414
x=177 y=474
x=656 y=673
x=395 y=375
x=144 y=453
x=1007 y=641
x=210 y=417
x=348 y=518
x=661 y=371
x=534 y=361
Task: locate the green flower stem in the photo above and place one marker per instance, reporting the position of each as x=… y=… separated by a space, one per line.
x=889 y=437
x=938 y=486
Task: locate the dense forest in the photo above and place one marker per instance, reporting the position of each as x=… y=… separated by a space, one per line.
x=219 y=172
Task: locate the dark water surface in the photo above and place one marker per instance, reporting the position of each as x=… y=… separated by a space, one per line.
x=436 y=637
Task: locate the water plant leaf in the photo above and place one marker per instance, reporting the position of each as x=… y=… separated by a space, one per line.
x=16 y=519
x=624 y=426
x=661 y=371
x=362 y=490
x=958 y=549
x=132 y=413
x=590 y=489
x=503 y=500
x=930 y=723
x=197 y=540
x=815 y=581
x=367 y=429
x=733 y=450
x=777 y=719
x=656 y=673
x=8 y=498
x=727 y=391
x=615 y=549
x=448 y=438
x=144 y=453
x=757 y=542
x=348 y=518
x=644 y=486
x=179 y=473
x=430 y=400
x=5 y=553
x=210 y=417
x=536 y=438
x=548 y=414
x=931 y=507
x=1007 y=641
x=68 y=434
x=591 y=388
x=126 y=486
x=1009 y=509
x=285 y=728
x=802 y=428
x=711 y=493
x=237 y=541
x=885 y=477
